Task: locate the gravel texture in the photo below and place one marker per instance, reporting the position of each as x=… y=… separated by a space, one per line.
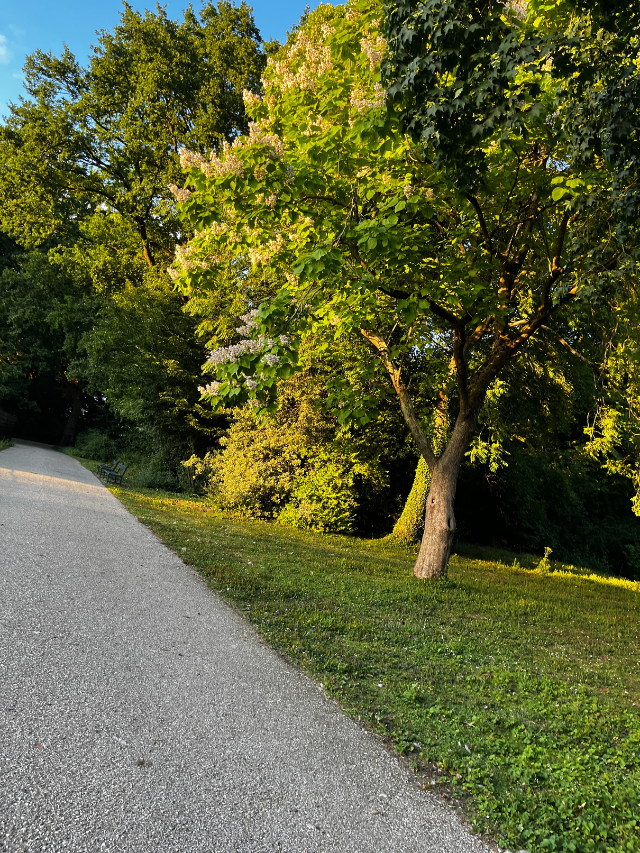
x=139 y=713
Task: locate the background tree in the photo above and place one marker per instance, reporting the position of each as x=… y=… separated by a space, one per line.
x=85 y=165
x=43 y=314
x=374 y=243
x=106 y=137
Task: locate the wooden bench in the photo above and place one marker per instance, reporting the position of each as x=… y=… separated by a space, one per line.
x=112 y=473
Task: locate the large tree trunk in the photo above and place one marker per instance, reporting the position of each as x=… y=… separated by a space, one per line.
x=71 y=426
x=409 y=526
x=440 y=520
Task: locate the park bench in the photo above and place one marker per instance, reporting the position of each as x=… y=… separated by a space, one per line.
x=112 y=473
x=103 y=467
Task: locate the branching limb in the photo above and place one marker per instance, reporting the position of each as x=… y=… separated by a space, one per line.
x=570 y=349
x=411 y=419
x=473 y=201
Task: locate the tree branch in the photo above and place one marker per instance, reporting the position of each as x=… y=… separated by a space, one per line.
x=473 y=201
x=570 y=349
x=422 y=442
x=441 y=312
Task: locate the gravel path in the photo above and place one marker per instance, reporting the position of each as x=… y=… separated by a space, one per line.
x=140 y=713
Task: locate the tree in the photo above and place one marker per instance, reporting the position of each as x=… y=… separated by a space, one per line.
x=444 y=274
x=106 y=137
x=144 y=355
x=43 y=314
x=85 y=165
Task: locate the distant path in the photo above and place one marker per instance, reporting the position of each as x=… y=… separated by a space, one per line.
x=140 y=714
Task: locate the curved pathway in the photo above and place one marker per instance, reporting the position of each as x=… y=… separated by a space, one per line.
x=140 y=714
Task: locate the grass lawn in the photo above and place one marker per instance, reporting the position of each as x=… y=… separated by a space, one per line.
x=516 y=694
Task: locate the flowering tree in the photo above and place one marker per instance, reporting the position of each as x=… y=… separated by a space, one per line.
x=371 y=242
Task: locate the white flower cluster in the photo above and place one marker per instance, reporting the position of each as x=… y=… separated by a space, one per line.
x=316 y=61
x=173 y=273
x=249 y=322
x=259 y=255
x=407 y=190
x=257 y=136
x=250 y=98
x=263 y=254
x=214 y=165
x=252 y=346
x=362 y=104
x=212 y=388
x=271 y=201
x=519 y=8
x=373 y=49
x=179 y=193
x=183 y=256
x=235 y=351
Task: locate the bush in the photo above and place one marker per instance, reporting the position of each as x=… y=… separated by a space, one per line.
x=255 y=472
x=93 y=444
x=323 y=498
x=294 y=468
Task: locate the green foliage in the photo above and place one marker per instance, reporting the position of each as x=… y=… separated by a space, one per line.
x=5 y=443
x=297 y=465
x=106 y=136
x=464 y=71
x=95 y=444
x=323 y=498
x=44 y=312
x=544 y=566
x=515 y=693
x=144 y=357
x=255 y=472
x=410 y=526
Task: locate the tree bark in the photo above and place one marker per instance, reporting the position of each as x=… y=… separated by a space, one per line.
x=71 y=426
x=440 y=520
x=409 y=526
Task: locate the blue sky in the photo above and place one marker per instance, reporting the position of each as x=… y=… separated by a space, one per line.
x=29 y=25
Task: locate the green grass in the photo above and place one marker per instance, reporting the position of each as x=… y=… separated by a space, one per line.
x=5 y=443
x=513 y=693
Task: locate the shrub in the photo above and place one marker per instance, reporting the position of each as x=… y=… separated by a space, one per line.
x=296 y=467
x=255 y=472
x=323 y=498
x=93 y=444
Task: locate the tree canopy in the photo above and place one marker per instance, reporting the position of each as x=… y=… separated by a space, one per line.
x=106 y=136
